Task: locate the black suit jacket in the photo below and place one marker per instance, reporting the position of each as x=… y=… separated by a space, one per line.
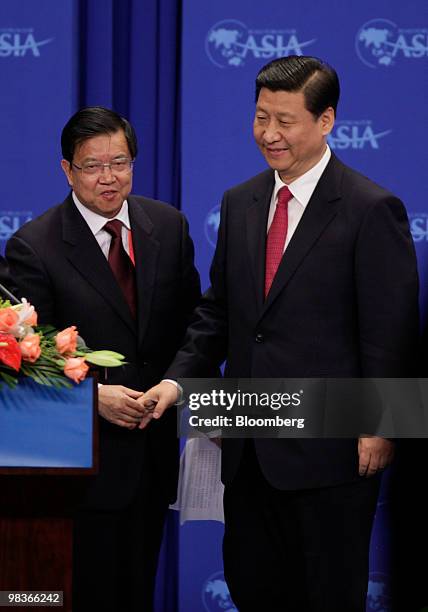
x=5 y=279
x=58 y=266
x=344 y=303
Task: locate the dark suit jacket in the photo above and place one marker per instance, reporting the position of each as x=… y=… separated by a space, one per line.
x=5 y=279
x=343 y=304
x=59 y=267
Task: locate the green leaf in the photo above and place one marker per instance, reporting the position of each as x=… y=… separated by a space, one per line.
x=99 y=358
x=11 y=381
x=110 y=353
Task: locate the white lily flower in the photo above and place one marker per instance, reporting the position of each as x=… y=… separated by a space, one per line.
x=25 y=312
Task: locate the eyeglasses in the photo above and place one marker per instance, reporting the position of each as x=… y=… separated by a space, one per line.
x=122 y=165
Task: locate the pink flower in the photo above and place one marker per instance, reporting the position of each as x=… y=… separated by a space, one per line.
x=30 y=347
x=8 y=319
x=66 y=340
x=31 y=320
x=76 y=368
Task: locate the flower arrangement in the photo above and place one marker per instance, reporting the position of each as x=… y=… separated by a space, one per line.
x=48 y=356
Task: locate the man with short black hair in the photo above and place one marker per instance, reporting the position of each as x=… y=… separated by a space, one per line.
x=314 y=276
x=120 y=268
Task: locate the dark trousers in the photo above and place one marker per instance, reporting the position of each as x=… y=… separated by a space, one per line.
x=115 y=555
x=297 y=551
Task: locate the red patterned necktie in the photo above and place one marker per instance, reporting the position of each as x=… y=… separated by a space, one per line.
x=276 y=237
x=121 y=264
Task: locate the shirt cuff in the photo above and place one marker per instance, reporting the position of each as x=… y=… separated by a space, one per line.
x=180 y=399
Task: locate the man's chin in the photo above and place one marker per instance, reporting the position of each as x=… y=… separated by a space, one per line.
x=107 y=209
x=281 y=168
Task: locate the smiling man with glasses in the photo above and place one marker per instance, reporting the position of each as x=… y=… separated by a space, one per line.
x=120 y=268
x=99 y=169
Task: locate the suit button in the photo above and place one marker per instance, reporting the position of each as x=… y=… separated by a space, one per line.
x=259 y=338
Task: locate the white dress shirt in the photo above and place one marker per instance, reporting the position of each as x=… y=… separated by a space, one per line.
x=301 y=189
x=96 y=223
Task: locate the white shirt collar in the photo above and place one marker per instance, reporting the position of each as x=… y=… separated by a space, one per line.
x=304 y=186
x=95 y=221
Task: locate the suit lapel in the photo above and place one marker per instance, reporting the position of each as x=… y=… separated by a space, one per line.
x=85 y=255
x=146 y=249
x=256 y=220
x=321 y=209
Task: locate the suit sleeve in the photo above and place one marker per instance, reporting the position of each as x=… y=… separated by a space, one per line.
x=205 y=344
x=387 y=291
x=30 y=278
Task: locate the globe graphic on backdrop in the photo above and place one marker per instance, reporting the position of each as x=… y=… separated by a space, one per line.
x=225 y=43
x=216 y=596
x=378 y=594
x=374 y=42
x=211 y=225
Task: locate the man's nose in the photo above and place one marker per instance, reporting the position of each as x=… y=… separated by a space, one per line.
x=106 y=175
x=271 y=134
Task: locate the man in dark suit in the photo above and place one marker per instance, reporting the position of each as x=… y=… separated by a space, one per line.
x=76 y=270
x=314 y=275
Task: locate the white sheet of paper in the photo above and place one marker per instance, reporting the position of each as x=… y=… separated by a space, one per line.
x=200 y=490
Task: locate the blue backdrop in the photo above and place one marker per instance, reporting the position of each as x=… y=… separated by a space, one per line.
x=38 y=94
x=183 y=72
